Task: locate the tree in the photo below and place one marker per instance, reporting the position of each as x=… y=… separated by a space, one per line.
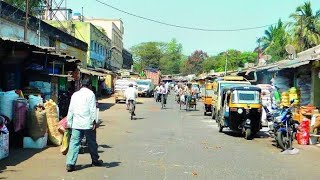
x=147 y=54
x=170 y=61
x=194 y=63
x=166 y=56
x=235 y=59
x=34 y=5
x=306 y=27
x=274 y=41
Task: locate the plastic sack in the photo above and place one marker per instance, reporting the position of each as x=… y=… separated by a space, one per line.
x=4 y=142
x=53 y=122
x=35 y=101
x=6 y=103
x=65 y=142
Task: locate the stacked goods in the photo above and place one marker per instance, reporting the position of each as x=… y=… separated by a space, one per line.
x=20 y=114
x=37 y=123
x=293 y=95
x=285 y=101
x=6 y=103
x=303 y=132
x=306 y=111
x=282 y=83
x=304 y=84
x=35 y=101
x=53 y=122
x=4 y=139
x=31 y=91
x=44 y=87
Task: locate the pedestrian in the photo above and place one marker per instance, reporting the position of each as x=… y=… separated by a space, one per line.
x=82 y=120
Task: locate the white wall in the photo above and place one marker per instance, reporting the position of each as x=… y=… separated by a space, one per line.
x=16 y=32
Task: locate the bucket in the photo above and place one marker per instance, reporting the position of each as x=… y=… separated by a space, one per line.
x=313 y=140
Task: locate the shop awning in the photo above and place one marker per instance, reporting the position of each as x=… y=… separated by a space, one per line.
x=289 y=64
x=93 y=73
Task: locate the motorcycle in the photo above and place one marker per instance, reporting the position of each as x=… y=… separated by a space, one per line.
x=284 y=127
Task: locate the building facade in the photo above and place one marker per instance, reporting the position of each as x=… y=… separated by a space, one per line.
x=127 y=59
x=39 y=33
x=99 y=44
x=114 y=30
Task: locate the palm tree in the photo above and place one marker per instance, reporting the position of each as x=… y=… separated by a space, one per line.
x=305 y=28
x=272 y=34
x=274 y=41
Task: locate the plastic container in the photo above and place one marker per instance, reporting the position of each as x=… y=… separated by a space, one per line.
x=303 y=134
x=40 y=143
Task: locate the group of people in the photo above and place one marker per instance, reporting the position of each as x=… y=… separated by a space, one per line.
x=183 y=91
x=163 y=89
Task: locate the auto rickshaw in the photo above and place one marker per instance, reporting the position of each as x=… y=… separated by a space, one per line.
x=241 y=110
x=207 y=98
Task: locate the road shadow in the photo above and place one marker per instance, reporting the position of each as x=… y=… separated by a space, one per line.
x=259 y=135
x=105 y=106
x=105 y=164
x=105 y=146
x=16 y=157
x=136 y=118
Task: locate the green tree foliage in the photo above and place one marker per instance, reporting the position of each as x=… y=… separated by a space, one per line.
x=34 y=5
x=166 y=56
x=193 y=65
x=274 y=41
x=305 y=27
x=235 y=59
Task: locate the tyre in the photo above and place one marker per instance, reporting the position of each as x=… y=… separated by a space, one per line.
x=195 y=107
x=283 y=141
x=248 y=134
x=220 y=127
x=205 y=113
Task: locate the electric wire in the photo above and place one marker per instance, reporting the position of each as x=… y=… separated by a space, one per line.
x=181 y=26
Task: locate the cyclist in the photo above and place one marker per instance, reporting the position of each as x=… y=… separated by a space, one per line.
x=131 y=93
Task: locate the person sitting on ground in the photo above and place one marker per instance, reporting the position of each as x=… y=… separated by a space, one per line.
x=82 y=119
x=131 y=93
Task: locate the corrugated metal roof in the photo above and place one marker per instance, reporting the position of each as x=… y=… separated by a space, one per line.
x=91 y=72
x=289 y=64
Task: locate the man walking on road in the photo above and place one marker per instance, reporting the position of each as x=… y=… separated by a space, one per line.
x=82 y=119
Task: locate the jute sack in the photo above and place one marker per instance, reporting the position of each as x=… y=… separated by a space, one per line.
x=37 y=123
x=53 y=122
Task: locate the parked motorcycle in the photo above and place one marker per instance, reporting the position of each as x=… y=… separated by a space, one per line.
x=284 y=127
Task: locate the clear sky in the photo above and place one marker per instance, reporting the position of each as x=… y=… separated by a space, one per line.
x=210 y=14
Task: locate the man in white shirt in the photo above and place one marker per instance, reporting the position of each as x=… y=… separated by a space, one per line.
x=131 y=94
x=82 y=120
x=164 y=93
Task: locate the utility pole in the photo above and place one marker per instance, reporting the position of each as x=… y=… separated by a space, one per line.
x=226 y=64
x=26 y=21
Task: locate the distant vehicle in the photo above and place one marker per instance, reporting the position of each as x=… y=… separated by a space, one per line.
x=154 y=74
x=120 y=86
x=145 y=87
x=218 y=86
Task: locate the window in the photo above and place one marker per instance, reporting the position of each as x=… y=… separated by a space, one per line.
x=245 y=97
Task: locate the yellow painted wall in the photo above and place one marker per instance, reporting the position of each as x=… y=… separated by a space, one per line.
x=72 y=51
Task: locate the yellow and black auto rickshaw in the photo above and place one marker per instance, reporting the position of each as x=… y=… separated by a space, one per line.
x=207 y=97
x=241 y=110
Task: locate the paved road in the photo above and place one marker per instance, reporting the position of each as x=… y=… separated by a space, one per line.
x=171 y=144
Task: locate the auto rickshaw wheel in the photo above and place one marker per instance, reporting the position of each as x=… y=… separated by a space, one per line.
x=247 y=134
x=204 y=113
